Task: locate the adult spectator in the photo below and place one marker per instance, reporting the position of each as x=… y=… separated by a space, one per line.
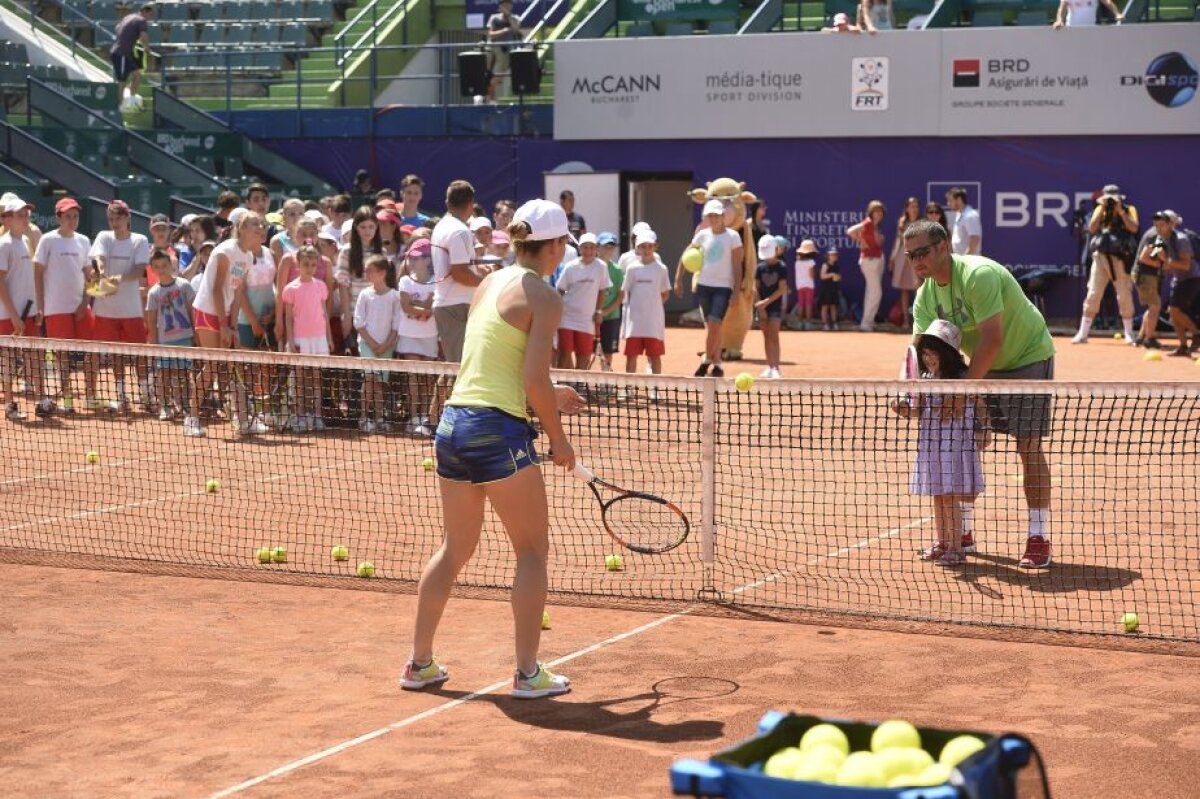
x=453 y=252
x=502 y=214
x=720 y=274
x=1113 y=227
x=574 y=220
x=841 y=24
x=904 y=279
x=876 y=15
x=131 y=43
x=1157 y=247
x=967 y=236
x=935 y=213
x=1082 y=13
x=503 y=31
x=1174 y=253
x=362 y=184
x=869 y=235
x=227 y=203
x=412 y=189
x=1006 y=338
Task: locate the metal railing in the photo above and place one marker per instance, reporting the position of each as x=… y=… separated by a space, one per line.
x=24 y=148
x=344 y=53
x=766 y=17
x=601 y=19
x=72 y=16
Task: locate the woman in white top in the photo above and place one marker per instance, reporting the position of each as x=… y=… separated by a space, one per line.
x=361 y=241
x=876 y=15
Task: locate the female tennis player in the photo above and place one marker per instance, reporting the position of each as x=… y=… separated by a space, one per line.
x=485 y=446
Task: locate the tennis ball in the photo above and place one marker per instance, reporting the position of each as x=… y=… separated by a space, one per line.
x=1130 y=622
x=545 y=620
x=862 y=770
x=279 y=555
x=783 y=763
x=825 y=734
x=1152 y=355
x=815 y=769
x=693 y=259
x=366 y=569
x=614 y=563
x=743 y=382
x=894 y=762
x=1116 y=335
x=895 y=734
x=263 y=554
x=339 y=553
x=213 y=485
x=92 y=458
x=935 y=774
x=959 y=749
x=427 y=464
x=830 y=754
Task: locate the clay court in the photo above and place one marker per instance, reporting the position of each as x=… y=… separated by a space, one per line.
x=147 y=654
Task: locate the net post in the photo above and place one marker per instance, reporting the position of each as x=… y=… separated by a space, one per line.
x=708 y=485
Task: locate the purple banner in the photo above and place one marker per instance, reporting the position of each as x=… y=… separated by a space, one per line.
x=1026 y=190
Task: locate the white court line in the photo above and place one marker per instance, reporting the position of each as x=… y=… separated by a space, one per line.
x=156 y=500
x=97 y=467
x=315 y=757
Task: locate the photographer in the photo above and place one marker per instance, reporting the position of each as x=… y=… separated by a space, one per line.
x=1165 y=248
x=503 y=32
x=1113 y=229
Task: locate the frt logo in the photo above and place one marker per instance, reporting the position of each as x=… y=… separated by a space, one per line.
x=1007 y=65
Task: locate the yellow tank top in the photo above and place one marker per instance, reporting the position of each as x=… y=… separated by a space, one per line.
x=493 y=365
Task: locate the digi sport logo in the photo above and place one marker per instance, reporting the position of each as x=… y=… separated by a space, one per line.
x=1171 y=80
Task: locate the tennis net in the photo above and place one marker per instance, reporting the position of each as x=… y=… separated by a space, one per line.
x=800 y=493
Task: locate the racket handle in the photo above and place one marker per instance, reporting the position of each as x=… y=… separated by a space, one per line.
x=584 y=473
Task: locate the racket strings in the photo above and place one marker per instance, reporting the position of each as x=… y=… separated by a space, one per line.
x=645 y=523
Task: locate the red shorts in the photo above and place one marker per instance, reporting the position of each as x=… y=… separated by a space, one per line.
x=804 y=299
x=206 y=321
x=641 y=345
x=31 y=328
x=65 y=325
x=120 y=331
x=575 y=341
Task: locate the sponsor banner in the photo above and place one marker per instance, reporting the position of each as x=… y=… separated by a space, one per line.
x=1131 y=79
x=478 y=11
x=97 y=96
x=190 y=146
x=1128 y=79
x=760 y=86
x=676 y=10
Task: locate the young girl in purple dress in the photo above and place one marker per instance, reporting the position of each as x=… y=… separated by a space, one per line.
x=952 y=431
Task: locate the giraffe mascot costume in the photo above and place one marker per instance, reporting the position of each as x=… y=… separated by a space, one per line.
x=734 y=196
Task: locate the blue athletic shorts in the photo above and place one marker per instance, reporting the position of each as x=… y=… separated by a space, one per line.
x=714 y=302
x=483 y=445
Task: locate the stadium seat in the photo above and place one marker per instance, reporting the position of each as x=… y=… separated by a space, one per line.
x=213 y=35
x=213 y=10
x=294 y=34
x=206 y=164
x=291 y=9
x=265 y=34
x=640 y=29
x=319 y=9
x=173 y=12
x=987 y=19
x=723 y=26
x=1033 y=17
x=272 y=62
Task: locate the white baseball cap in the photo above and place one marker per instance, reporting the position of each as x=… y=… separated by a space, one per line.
x=236 y=214
x=13 y=204
x=315 y=216
x=767 y=247
x=547 y=221
x=647 y=236
x=588 y=238
x=480 y=222
x=714 y=207
x=187 y=219
x=941 y=329
x=639 y=227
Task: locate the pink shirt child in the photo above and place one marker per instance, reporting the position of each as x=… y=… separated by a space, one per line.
x=307 y=299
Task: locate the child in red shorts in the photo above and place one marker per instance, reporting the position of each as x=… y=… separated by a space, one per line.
x=123 y=255
x=644 y=322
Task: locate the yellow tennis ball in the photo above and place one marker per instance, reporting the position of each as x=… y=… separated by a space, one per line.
x=862 y=770
x=279 y=555
x=92 y=458
x=1130 y=622
x=783 y=763
x=830 y=754
x=263 y=554
x=814 y=769
x=1152 y=355
x=340 y=553
x=614 y=563
x=545 y=620
x=743 y=382
x=895 y=762
x=935 y=774
x=959 y=749
x=427 y=464
x=693 y=259
x=825 y=734
x=1116 y=335
x=213 y=485
x=366 y=569
x=895 y=734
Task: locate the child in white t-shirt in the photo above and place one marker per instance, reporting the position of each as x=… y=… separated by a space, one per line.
x=416 y=331
x=375 y=321
x=644 y=322
x=583 y=284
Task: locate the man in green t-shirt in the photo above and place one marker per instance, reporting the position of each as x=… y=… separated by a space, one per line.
x=1006 y=338
x=610 y=325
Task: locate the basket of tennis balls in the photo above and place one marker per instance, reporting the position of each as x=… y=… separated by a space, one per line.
x=806 y=757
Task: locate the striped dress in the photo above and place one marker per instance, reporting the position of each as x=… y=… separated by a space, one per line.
x=947 y=457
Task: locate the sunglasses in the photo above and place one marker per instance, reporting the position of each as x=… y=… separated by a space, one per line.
x=919 y=253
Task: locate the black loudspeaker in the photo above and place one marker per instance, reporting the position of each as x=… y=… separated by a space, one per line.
x=472 y=73
x=525 y=70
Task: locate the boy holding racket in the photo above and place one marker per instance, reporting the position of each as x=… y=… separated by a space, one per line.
x=17 y=301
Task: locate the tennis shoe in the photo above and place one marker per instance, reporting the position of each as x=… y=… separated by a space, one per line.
x=415 y=679
x=1079 y=338
x=96 y=404
x=164 y=414
x=952 y=557
x=316 y=423
x=968 y=543
x=14 y=413
x=543 y=683
x=717 y=371
x=934 y=551
x=1037 y=553
x=45 y=407
x=192 y=427
x=702 y=369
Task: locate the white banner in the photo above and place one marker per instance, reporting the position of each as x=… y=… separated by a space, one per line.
x=1128 y=79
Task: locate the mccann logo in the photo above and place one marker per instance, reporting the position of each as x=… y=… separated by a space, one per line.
x=617 y=84
x=1170 y=80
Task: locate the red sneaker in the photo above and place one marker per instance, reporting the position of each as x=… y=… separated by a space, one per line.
x=968 y=543
x=1037 y=553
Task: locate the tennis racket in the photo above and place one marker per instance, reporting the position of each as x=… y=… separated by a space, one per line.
x=25 y=313
x=638 y=521
x=910 y=369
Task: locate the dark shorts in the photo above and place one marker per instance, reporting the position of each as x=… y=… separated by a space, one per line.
x=248 y=341
x=772 y=311
x=124 y=66
x=610 y=335
x=1184 y=293
x=714 y=302
x=451 y=323
x=827 y=294
x=1022 y=415
x=483 y=445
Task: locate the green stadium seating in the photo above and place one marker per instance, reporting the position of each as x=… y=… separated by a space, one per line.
x=723 y=26
x=1033 y=17
x=172 y=12
x=640 y=29
x=987 y=18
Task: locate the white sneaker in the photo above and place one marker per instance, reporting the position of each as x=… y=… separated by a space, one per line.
x=14 y=413
x=766 y=372
x=1080 y=338
x=254 y=427
x=164 y=414
x=316 y=423
x=654 y=395
x=366 y=426
x=1129 y=339
x=423 y=431
x=192 y=427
